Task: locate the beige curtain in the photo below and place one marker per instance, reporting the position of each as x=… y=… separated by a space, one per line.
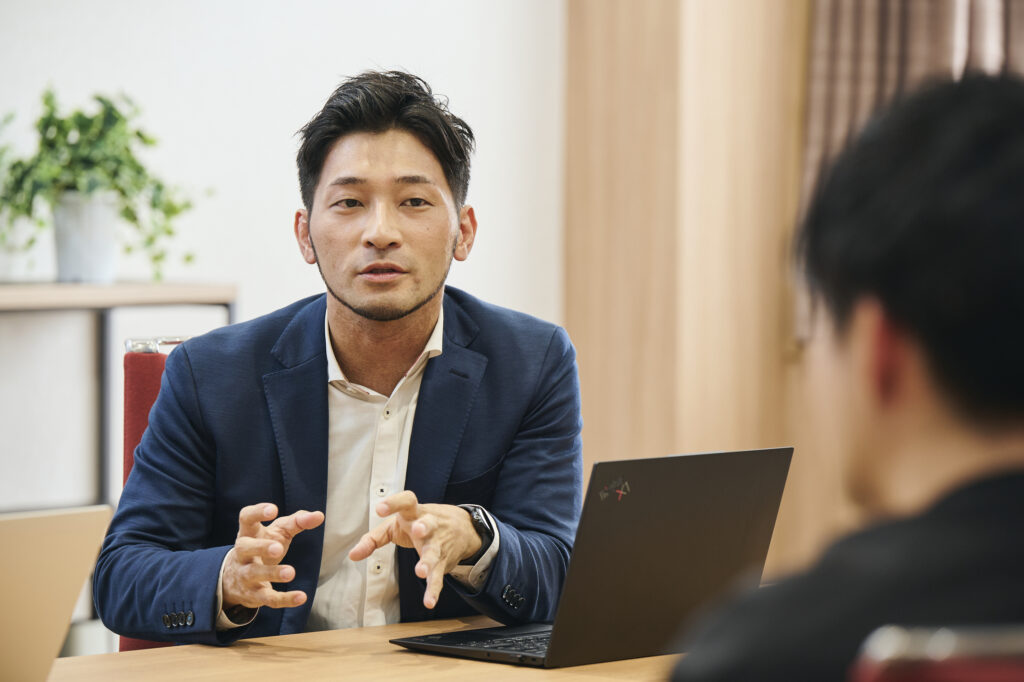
x=866 y=52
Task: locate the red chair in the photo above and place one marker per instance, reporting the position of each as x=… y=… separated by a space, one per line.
x=975 y=654
x=143 y=369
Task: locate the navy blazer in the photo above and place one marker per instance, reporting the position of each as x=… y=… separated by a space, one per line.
x=242 y=418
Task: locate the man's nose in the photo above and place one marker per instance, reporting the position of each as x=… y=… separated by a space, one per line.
x=381 y=230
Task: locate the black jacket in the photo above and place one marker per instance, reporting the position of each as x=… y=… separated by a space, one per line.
x=959 y=563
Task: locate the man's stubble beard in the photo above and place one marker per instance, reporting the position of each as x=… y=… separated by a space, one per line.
x=384 y=313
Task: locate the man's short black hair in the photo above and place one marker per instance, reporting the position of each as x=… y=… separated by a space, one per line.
x=925 y=213
x=378 y=101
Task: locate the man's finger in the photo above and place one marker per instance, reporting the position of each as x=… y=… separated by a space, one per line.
x=423 y=527
x=280 y=600
x=261 y=573
x=293 y=524
x=248 y=548
x=251 y=518
x=435 y=581
x=430 y=556
x=404 y=504
x=369 y=543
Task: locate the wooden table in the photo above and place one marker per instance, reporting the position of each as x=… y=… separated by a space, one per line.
x=358 y=653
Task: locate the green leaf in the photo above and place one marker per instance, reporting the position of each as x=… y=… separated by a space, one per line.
x=91 y=151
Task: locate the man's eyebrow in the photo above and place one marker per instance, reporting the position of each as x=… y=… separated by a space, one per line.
x=347 y=180
x=401 y=180
x=414 y=180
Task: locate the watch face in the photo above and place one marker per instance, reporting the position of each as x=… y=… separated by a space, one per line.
x=480 y=521
x=482 y=528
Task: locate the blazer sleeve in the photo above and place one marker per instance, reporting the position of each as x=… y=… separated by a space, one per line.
x=537 y=499
x=156 y=577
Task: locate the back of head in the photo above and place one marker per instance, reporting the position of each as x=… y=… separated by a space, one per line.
x=378 y=101
x=924 y=212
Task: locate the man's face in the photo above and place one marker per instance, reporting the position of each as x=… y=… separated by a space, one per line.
x=384 y=226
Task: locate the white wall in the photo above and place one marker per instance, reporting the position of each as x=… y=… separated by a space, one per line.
x=224 y=85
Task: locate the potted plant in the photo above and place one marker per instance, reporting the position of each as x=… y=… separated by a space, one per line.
x=85 y=173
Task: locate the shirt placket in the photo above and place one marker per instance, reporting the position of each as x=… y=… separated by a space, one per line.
x=383 y=471
x=382 y=474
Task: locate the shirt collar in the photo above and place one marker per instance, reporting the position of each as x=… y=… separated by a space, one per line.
x=430 y=350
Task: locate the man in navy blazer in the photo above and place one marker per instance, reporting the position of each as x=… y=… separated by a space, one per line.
x=272 y=440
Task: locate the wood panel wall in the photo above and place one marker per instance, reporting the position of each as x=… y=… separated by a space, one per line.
x=621 y=208
x=685 y=130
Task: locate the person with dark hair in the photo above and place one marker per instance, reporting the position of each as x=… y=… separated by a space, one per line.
x=913 y=249
x=435 y=437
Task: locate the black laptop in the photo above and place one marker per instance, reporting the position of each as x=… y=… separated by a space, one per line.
x=658 y=539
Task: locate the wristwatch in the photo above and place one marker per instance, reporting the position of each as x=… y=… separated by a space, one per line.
x=482 y=527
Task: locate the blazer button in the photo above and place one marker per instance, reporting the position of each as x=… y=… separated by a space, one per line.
x=167 y=620
x=174 y=620
x=190 y=618
x=181 y=618
x=511 y=597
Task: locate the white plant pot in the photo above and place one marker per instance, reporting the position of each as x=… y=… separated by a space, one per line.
x=85 y=232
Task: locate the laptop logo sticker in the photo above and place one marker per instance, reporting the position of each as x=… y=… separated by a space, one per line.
x=616 y=490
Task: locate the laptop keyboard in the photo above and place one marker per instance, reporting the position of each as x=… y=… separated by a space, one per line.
x=536 y=644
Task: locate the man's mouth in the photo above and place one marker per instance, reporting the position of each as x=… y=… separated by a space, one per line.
x=381 y=272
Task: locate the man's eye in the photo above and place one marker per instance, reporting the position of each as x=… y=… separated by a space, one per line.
x=416 y=202
x=348 y=203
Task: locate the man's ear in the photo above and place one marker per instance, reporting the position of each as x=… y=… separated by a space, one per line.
x=885 y=352
x=467 y=233
x=302 y=236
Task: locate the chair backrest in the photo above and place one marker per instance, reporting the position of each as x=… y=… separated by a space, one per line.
x=143 y=369
x=979 y=654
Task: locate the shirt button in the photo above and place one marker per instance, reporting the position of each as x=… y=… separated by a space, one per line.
x=381 y=491
x=387 y=414
x=377 y=568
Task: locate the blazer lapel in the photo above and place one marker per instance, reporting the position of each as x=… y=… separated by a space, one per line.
x=447 y=393
x=297 y=401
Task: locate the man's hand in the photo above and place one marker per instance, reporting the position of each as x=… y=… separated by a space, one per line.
x=253 y=563
x=442 y=534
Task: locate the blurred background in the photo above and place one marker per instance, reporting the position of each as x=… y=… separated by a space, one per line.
x=641 y=165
